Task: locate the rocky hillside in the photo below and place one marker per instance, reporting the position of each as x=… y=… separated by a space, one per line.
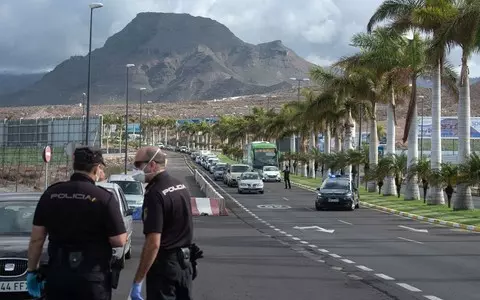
x=177 y=57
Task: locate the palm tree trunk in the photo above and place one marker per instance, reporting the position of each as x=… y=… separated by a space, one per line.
x=463 y=199
x=373 y=150
x=412 y=191
x=348 y=141
x=436 y=192
x=389 y=188
x=293 y=145
x=312 y=147
x=326 y=147
x=166 y=136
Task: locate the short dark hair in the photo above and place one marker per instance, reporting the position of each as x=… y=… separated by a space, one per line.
x=87 y=158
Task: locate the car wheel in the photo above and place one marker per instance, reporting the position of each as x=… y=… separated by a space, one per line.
x=128 y=255
x=317 y=207
x=353 y=206
x=357 y=205
x=239 y=191
x=261 y=192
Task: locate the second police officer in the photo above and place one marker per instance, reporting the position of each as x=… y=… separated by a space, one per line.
x=83 y=223
x=167 y=256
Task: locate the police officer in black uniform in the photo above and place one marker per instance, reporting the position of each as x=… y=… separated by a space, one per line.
x=83 y=223
x=168 y=229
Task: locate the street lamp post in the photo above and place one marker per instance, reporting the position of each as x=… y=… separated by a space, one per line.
x=141 y=127
x=421 y=132
x=92 y=7
x=128 y=66
x=299 y=81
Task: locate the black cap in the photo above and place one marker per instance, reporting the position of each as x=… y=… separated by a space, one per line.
x=88 y=155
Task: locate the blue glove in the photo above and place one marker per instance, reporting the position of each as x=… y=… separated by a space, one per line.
x=34 y=287
x=135 y=293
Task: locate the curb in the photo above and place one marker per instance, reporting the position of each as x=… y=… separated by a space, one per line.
x=472 y=228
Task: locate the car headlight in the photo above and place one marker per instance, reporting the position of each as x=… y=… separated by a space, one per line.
x=349 y=195
x=243 y=184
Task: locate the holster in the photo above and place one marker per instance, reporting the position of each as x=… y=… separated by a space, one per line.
x=115 y=269
x=184 y=257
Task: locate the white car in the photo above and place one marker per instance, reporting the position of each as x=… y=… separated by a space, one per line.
x=250 y=182
x=134 y=191
x=234 y=172
x=271 y=173
x=124 y=252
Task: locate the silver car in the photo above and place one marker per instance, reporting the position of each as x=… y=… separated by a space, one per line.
x=218 y=171
x=124 y=252
x=250 y=182
x=134 y=190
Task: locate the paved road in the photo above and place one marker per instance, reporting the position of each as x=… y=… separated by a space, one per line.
x=248 y=262
x=426 y=260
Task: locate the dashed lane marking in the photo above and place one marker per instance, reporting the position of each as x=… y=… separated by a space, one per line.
x=409 y=240
x=433 y=297
x=323 y=250
x=334 y=255
x=353 y=276
x=383 y=276
x=348 y=261
x=345 y=222
x=409 y=287
x=363 y=268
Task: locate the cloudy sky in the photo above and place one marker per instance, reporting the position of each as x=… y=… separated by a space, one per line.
x=36 y=35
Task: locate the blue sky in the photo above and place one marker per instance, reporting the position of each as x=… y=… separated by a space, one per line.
x=39 y=34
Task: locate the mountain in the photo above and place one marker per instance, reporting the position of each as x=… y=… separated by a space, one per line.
x=426 y=83
x=10 y=83
x=177 y=57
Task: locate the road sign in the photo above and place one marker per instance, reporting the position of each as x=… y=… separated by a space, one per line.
x=47 y=154
x=274 y=206
x=317 y=228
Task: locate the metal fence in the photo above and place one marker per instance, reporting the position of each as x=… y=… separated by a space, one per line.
x=22 y=142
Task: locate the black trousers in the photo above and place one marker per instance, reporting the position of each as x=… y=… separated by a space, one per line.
x=287 y=180
x=63 y=284
x=168 y=280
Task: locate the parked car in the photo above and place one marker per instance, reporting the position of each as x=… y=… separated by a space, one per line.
x=125 y=252
x=337 y=192
x=234 y=173
x=250 y=182
x=271 y=173
x=16 y=217
x=134 y=190
x=211 y=162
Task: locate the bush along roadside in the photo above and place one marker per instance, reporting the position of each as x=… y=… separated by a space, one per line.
x=416 y=209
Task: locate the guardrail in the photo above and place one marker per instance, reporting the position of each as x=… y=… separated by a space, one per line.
x=210 y=192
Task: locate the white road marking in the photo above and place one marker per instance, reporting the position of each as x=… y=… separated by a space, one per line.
x=364 y=268
x=276 y=229
x=295 y=239
x=286 y=199
x=433 y=298
x=345 y=222
x=303 y=242
x=348 y=261
x=334 y=255
x=312 y=246
x=317 y=228
x=337 y=268
x=353 y=276
x=282 y=232
x=323 y=250
x=271 y=226
x=320 y=261
x=413 y=229
x=409 y=287
x=289 y=235
x=309 y=208
x=409 y=240
x=383 y=276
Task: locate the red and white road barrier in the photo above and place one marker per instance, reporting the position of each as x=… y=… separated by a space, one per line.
x=207 y=206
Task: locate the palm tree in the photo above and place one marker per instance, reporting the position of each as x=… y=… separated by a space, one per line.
x=422 y=169
x=427 y=16
x=469 y=173
x=445 y=178
x=462 y=30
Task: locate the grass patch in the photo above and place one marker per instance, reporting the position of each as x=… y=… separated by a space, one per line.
x=419 y=208
x=226 y=159
x=310 y=182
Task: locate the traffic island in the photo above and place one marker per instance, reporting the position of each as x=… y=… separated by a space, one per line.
x=416 y=210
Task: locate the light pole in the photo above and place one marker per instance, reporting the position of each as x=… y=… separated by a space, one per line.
x=299 y=80
x=421 y=132
x=84 y=96
x=92 y=7
x=128 y=66
x=141 y=127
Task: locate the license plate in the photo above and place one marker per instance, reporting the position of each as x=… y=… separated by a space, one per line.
x=332 y=200
x=13 y=286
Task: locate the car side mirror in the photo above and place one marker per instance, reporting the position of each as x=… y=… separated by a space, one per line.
x=318 y=189
x=130 y=212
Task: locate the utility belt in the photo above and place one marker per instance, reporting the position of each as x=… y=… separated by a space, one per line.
x=182 y=255
x=87 y=259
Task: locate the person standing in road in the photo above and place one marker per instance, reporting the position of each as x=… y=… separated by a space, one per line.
x=83 y=222
x=286 y=177
x=168 y=227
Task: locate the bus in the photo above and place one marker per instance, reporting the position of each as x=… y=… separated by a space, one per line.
x=260 y=154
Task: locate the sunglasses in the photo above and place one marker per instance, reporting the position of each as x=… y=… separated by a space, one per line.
x=138 y=164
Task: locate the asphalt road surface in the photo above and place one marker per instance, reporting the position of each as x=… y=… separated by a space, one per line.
x=246 y=259
x=394 y=255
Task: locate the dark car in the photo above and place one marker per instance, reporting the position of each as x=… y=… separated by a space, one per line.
x=16 y=217
x=337 y=192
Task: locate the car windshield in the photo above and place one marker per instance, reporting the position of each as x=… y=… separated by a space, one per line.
x=335 y=185
x=250 y=176
x=16 y=217
x=220 y=168
x=270 y=169
x=130 y=187
x=238 y=169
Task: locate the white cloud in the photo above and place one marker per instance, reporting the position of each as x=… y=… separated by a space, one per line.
x=320 y=61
